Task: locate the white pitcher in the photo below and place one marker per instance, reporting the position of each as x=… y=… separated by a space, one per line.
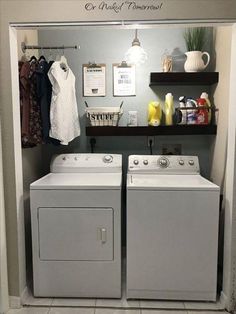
x=194 y=62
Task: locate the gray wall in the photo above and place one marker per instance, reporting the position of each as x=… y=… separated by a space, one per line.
x=109 y=46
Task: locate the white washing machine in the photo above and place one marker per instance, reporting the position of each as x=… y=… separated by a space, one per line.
x=76 y=227
x=172 y=229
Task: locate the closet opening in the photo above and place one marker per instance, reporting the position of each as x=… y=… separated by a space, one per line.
x=106 y=43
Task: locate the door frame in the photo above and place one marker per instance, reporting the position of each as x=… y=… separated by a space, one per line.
x=4 y=297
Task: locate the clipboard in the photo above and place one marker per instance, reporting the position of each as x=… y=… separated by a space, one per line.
x=94 y=80
x=123 y=79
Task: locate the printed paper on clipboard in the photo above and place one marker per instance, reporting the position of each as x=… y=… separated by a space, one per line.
x=94 y=80
x=124 y=79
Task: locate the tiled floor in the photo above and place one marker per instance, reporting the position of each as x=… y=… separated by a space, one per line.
x=119 y=304
x=114 y=306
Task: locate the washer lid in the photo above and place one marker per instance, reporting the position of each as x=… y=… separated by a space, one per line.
x=74 y=181
x=169 y=182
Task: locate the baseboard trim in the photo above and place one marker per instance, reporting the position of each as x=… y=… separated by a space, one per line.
x=15 y=302
x=24 y=295
x=223 y=299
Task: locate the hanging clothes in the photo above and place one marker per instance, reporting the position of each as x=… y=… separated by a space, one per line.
x=44 y=94
x=63 y=111
x=24 y=71
x=35 y=124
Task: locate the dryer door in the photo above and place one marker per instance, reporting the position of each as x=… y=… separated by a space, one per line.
x=75 y=234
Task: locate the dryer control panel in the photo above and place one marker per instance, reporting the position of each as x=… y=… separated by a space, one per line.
x=86 y=163
x=171 y=164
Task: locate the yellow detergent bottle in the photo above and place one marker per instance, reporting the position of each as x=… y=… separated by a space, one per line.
x=205 y=96
x=154 y=113
x=169 y=109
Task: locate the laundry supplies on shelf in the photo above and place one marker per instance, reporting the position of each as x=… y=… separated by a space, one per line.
x=104 y=116
x=169 y=109
x=154 y=113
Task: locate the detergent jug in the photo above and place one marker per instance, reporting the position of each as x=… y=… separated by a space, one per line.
x=182 y=114
x=154 y=113
x=208 y=103
x=169 y=109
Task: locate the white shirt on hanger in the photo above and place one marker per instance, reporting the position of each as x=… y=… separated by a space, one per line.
x=64 y=116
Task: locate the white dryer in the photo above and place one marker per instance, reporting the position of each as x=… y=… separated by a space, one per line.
x=76 y=227
x=172 y=229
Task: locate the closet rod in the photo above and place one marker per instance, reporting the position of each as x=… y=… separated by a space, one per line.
x=24 y=47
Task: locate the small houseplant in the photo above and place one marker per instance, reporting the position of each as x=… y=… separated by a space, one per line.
x=195 y=40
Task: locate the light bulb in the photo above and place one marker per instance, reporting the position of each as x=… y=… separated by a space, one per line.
x=136 y=54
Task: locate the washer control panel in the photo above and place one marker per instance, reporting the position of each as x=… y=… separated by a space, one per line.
x=172 y=164
x=86 y=163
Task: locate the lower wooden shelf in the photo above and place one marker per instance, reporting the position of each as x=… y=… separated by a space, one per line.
x=149 y=130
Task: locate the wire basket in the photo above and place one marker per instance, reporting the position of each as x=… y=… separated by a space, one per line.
x=104 y=116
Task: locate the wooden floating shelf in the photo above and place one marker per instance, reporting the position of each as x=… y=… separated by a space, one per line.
x=183 y=78
x=148 y=130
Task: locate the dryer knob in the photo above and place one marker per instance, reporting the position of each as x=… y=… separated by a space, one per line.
x=181 y=162
x=145 y=162
x=191 y=162
x=136 y=162
x=107 y=158
x=64 y=158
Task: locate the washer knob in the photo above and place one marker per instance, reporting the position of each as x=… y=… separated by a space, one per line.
x=145 y=162
x=76 y=158
x=163 y=162
x=181 y=162
x=64 y=158
x=136 y=162
x=191 y=162
x=107 y=158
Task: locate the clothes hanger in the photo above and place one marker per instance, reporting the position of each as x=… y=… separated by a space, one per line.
x=32 y=58
x=63 y=62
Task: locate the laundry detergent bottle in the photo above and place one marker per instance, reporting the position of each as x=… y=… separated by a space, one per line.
x=169 y=109
x=154 y=113
x=208 y=103
x=182 y=119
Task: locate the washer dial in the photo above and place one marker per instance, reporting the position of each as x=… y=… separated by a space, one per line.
x=163 y=162
x=107 y=159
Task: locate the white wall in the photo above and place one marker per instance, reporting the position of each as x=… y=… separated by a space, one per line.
x=229 y=282
x=223 y=38
x=4 y=304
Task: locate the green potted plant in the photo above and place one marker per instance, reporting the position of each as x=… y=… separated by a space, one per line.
x=195 y=40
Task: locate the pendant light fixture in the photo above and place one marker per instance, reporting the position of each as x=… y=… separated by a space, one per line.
x=136 y=54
